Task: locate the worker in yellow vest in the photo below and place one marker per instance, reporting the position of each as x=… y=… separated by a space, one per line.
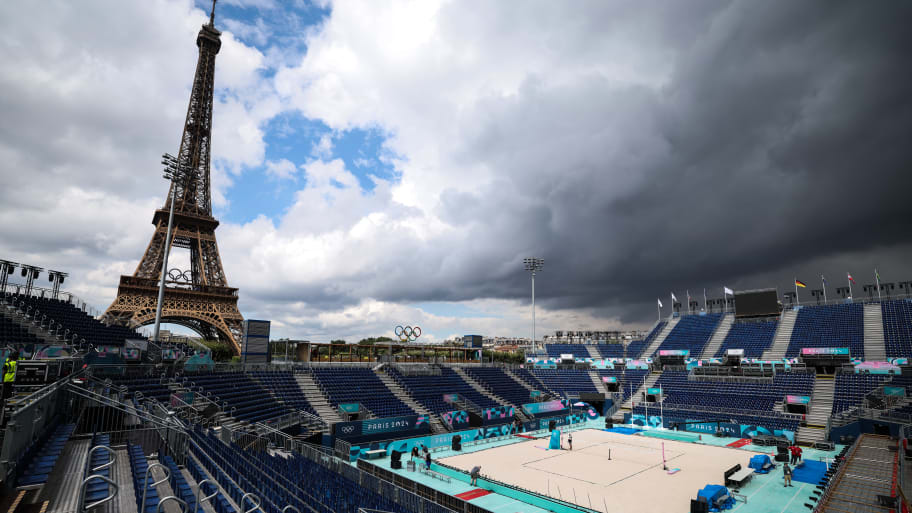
x=9 y=374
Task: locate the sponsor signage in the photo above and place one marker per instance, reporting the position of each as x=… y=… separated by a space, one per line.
x=735 y=352
x=797 y=399
x=609 y=379
x=697 y=426
x=350 y=407
x=498 y=414
x=458 y=419
x=378 y=426
x=876 y=368
x=897 y=391
x=535 y=393
x=814 y=351
x=566 y=357
x=674 y=352
x=450 y=398
x=543 y=407
x=653 y=391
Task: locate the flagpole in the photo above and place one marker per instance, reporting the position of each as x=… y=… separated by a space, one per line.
x=850 y=284
x=798 y=301
x=687 y=292
x=704 y=298
x=659 y=308
x=824 y=288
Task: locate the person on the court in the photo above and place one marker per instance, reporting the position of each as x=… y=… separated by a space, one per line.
x=475 y=471
x=798 y=452
x=787 y=474
x=427 y=459
x=570 y=440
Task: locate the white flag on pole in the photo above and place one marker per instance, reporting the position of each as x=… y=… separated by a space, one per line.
x=660 y=302
x=728 y=291
x=673 y=298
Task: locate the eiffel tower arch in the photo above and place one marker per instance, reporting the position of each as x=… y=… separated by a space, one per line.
x=198 y=298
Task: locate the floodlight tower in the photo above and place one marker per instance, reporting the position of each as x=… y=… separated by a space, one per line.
x=533 y=265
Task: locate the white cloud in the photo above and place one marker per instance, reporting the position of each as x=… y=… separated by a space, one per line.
x=283 y=169
x=324 y=147
x=89 y=107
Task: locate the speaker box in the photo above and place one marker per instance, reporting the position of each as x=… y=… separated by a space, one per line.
x=609 y=424
x=551 y=425
x=782 y=457
x=699 y=505
x=457 y=443
x=396 y=460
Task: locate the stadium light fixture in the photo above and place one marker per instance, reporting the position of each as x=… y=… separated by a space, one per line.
x=533 y=265
x=173 y=172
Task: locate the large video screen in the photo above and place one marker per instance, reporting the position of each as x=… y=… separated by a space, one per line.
x=756 y=303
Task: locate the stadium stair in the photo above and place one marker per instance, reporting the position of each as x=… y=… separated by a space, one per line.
x=821 y=409
x=597 y=381
x=718 y=337
x=593 y=352
x=529 y=383
x=316 y=398
x=517 y=379
x=436 y=425
x=656 y=342
x=517 y=408
x=627 y=405
x=875 y=348
x=478 y=388
x=783 y=336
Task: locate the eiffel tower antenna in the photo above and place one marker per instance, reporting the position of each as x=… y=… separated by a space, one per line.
x=198 y=298
x=212 y=14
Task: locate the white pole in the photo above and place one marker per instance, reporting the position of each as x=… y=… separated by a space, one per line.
x=661 y=406
x=161 y=285
x=704 y=298
x=877 y=281
x=850 y=285
x=796 y=292
x=823 y=280
x=659 y=308
x=533 y=309
x=645 y=403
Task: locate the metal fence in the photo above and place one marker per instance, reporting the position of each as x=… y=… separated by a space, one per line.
x=29 y=421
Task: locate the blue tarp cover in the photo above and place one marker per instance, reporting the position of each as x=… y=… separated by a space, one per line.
x=758 y=461
x=712 y=492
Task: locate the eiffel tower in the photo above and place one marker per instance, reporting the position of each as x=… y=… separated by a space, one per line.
x=198 y=298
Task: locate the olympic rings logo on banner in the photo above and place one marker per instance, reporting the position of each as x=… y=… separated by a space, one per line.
x=408 y=333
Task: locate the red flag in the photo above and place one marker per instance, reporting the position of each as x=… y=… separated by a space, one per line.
x=850 y=277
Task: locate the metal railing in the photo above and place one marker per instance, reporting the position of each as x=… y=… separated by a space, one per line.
x=29 y=419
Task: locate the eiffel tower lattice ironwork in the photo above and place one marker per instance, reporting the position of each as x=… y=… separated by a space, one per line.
x=198 y=298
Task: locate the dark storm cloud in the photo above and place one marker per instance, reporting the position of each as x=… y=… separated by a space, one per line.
x=780 y=146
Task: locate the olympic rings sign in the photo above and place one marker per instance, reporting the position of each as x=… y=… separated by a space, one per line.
x=408 y=333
